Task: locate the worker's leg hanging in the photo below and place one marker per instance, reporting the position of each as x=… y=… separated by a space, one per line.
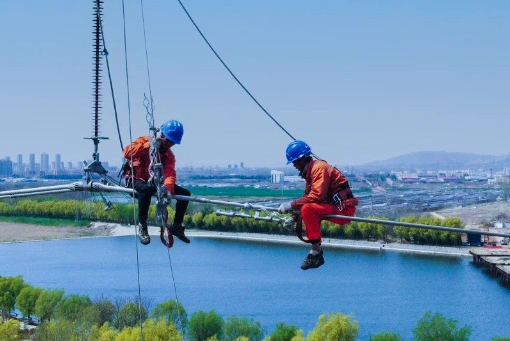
x=177 y=229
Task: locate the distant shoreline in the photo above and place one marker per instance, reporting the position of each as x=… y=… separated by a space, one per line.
x=15 y=233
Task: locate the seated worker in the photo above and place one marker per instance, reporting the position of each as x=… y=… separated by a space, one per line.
x=171 y=134
x=327 y=192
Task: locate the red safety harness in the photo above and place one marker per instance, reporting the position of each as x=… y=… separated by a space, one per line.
x=342 y=198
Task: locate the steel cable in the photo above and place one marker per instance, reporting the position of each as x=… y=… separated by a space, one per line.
x=232 y=74
x=132 y=172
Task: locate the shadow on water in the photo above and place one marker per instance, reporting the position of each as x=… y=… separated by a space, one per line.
x=384 y=290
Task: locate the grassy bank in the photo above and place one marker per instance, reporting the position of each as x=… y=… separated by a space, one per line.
x=44 y=221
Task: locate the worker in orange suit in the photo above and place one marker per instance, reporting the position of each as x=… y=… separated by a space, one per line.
x=327 y=192
x=139 y=151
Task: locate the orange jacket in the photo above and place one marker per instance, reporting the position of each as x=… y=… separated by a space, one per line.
x=141 y=161
x=322 y=183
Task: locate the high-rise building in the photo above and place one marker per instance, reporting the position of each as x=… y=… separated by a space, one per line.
x=31 y=164
x=58 y=164
x=6 y=167
x=45 y=163
x=20 y=168
x=69 y=166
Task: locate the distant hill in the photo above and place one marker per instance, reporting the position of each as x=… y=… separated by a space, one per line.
x=438 y=161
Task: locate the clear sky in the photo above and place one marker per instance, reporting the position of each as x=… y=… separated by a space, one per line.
x=358 y=80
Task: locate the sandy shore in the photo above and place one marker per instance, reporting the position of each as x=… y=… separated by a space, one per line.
x=11 y=232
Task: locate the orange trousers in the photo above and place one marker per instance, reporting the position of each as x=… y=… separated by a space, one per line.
x=311 y=214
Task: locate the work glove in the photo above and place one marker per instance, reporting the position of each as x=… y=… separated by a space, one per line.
x=285 y=207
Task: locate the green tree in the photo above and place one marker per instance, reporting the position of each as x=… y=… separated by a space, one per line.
x=352 y=230
x=365 y=229
x=172 y=312
x=63 y=330
x=9 y=330
x=152 y=330
x=498 y=338
x=203 y=325
x=385 y=336
x=283 y=332
x=10 y=287
x=198 y=219
x=106 y=310
x=337 y=327
x=436 y=327
x=103 y=333
x=58 y=330
x=401 y=232
x=26 y=300
x=129 y=315
x=236 y=327
x=298 y=337
x=71 y=307
x=211 y=221
x=46 y=303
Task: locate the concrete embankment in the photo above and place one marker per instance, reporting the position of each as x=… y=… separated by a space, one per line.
x=327 y=242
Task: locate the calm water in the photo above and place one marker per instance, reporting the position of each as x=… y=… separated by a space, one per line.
x=385 y=291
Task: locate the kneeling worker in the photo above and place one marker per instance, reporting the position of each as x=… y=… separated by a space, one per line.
x=327 y=192
x=171 y=134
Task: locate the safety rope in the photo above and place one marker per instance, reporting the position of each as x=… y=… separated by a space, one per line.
x=146 y=57
x=105 y=53
x=181 y=326
x=156 y=168
x=132 y=173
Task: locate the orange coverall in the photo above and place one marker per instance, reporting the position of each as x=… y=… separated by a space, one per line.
x=322 y=183
x=141 y=161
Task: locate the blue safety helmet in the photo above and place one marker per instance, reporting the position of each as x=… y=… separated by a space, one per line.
x=173 y=131
x=297 y=149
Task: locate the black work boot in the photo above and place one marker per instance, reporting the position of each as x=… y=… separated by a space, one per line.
x=143 y=234
x=178 y=231
x=313 y=262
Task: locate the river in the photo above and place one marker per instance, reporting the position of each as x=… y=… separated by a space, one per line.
x=383 y=290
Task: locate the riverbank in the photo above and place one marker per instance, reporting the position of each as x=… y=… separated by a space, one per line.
x=118 y=230
x=14 y=232
x=17 y=232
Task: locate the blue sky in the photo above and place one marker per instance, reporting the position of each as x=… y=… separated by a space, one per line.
x=358 y=80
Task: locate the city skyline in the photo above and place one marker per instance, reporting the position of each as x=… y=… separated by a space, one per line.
x=44 y=159
x=358 y=81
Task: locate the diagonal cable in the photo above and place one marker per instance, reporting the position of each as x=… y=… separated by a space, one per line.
x=105 y=53
x=232 y=74
x=150 y=109
x=132 y=173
